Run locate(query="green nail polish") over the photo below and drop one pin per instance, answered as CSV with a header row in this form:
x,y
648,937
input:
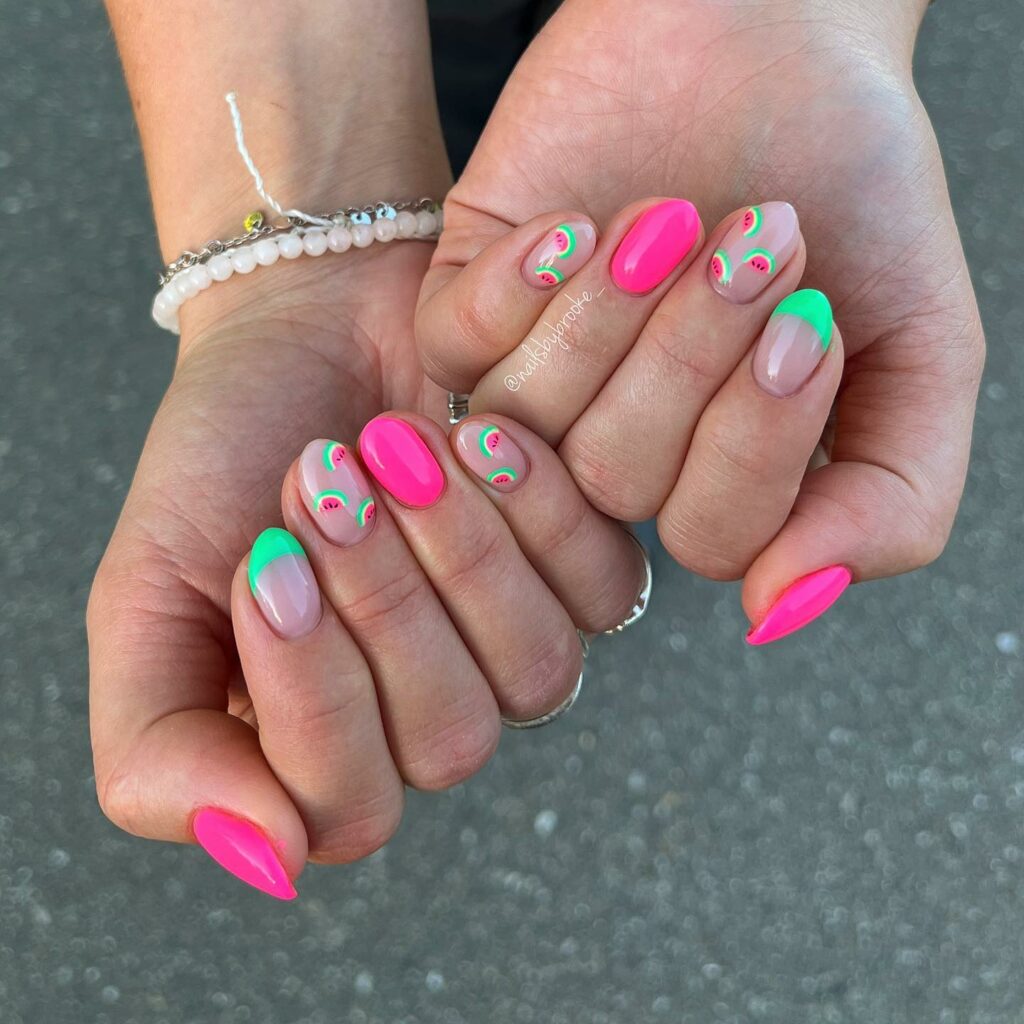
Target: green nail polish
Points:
x,y
812,306
271,544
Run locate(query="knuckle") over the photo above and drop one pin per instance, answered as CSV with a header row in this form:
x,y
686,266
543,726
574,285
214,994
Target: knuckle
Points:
x,y
364,831
457,746
694,549
606,481
730,460
389,607
483,553
674,356
120,798
545,675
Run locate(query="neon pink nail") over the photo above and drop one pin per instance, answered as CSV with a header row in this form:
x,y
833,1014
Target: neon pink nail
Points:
x,y
400,461
240,847
655,245
800,603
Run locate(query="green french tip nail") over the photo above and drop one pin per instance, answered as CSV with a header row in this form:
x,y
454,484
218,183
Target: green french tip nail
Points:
x,y
812,306
271,544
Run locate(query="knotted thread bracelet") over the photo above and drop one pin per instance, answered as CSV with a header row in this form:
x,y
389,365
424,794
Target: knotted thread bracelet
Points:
x,y
296,234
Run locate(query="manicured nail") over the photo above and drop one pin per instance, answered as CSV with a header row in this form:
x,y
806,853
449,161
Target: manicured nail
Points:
x,y
283,584
240,847
755,249
797,336
655,245
336,492
800,603
560,254
490,453
401,462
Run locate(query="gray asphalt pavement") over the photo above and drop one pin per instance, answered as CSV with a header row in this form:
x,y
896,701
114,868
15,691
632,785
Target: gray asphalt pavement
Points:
x,y
829,832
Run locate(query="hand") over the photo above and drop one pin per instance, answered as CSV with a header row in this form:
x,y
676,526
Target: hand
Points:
x,y
728,107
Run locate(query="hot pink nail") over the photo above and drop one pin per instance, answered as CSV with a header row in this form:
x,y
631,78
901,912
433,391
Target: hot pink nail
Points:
x,y
336,491
240,847
797,337
560,254
490,453
800,603
655,245
283,584
401,462
761,242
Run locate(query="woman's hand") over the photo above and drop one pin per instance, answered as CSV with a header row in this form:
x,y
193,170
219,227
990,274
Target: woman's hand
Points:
x,y
809,101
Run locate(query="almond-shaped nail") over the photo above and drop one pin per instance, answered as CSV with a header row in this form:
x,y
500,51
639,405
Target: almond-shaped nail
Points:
x,y
655,245
797,337
761,242
283,584
336,492
241,848
401,462
800,603
560,254
492,455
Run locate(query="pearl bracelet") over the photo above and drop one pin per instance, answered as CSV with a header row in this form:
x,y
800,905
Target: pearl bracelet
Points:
x,y
194,272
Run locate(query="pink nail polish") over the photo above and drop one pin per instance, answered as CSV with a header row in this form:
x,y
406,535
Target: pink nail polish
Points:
x,y
761,242
336,492
490,453
560,254
800,603
283,584
240,847
655,245
401,462
797,337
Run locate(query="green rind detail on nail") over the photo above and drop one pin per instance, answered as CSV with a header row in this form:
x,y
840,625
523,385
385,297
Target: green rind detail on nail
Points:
x,y
765,255
340,495
570,241
271,544
724,272
365,508
812,306
485,435
329,451
504,471
756,220
555,273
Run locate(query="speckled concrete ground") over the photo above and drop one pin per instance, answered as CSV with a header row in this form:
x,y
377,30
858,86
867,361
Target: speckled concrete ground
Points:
x,y
831,833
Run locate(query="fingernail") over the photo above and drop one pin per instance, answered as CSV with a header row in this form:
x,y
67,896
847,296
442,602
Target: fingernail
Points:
x,y
490,453
283,584
560,254
240,847
655,245
800,603
401,462
797,336
755,249
336,492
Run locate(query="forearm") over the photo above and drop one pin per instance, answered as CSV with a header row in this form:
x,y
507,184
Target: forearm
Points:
x,y
337,97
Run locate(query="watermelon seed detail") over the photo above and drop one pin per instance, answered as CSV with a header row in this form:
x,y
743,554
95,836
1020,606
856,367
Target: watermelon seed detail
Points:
x,y
334,453
488,440
366,511
760,260
330,501
752,221
549,274
565,241
505,475
721,266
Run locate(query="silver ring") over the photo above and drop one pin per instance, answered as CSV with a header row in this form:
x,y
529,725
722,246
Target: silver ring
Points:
x,y
458,407
536,723
636,613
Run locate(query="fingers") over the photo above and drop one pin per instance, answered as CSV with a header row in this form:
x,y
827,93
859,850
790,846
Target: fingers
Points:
x,y
886,502
171,762
752,445
587,560
472,316
628,447
319,723
439,715
518,632
586,330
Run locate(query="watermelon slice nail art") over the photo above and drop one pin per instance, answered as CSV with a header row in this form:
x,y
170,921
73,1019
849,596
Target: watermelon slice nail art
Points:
x,y
560,254
761,241
336,492
491,454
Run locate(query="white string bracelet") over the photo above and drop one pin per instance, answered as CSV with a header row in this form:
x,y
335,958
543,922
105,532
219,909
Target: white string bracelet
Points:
x,y
262,243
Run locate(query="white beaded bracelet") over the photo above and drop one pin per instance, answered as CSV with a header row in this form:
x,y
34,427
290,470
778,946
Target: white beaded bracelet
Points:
x,y
263,244
218,261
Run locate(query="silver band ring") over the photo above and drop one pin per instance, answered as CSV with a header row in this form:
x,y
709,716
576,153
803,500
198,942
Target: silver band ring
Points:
x,y
636,613
458,407
546,719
